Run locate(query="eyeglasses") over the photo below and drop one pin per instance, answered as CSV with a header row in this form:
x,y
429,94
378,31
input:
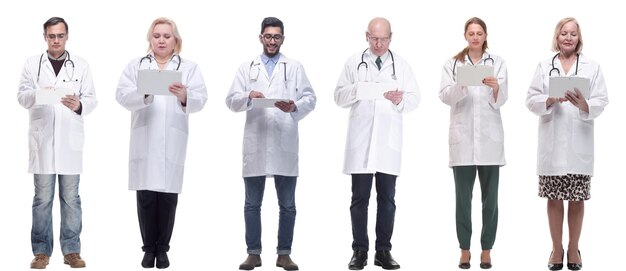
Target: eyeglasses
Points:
x,y
269,37
56,36
377,40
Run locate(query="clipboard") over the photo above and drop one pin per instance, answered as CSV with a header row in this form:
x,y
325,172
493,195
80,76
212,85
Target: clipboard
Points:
x,y
472,75
157,82
373,91
50,95
265,102
560,84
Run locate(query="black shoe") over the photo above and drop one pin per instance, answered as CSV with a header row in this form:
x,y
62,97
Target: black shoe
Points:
x,y
148,260
485,265
555,266
385,260
574,266
251,262
161,260
358,261
466,265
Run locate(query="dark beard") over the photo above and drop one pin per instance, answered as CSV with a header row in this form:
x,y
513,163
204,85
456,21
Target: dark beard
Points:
x,y
268,54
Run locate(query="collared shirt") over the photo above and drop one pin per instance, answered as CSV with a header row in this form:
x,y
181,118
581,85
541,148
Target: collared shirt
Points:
x,y
270,63
383,58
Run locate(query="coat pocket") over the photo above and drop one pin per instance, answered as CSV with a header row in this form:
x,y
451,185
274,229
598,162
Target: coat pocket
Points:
x,y
77,134
177,146
138,143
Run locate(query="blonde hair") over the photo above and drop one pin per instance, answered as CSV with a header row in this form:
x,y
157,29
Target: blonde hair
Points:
x,y
460,56
163,20
557,31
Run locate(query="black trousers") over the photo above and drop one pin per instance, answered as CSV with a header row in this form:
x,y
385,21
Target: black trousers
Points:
x,y
385,211
156,212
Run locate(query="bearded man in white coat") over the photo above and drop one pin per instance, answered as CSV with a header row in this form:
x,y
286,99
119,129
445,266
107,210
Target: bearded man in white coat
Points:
x,y
56,139
374,142
270,147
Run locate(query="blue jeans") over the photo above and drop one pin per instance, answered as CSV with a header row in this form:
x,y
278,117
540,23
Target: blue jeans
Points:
x,y
285,190
71,214
385,213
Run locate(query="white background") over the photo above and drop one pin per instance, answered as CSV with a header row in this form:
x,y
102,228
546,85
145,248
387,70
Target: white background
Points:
x,y
209,231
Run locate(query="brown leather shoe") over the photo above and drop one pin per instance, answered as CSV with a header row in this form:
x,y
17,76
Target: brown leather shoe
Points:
x,y
251,262
286,263
40,261
74,260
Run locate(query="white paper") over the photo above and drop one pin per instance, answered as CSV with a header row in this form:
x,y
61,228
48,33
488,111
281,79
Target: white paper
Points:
x,y
559,85
50,95
266,103
373,91
470,75
157,82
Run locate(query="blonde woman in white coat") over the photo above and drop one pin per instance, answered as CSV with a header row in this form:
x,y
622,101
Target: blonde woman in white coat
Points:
x,y
159,132
476,138
565,148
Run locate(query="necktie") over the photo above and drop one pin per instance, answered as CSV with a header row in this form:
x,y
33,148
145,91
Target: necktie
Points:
x,y
379,63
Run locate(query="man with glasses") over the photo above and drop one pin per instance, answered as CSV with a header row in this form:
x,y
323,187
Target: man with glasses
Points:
x,y
56,140
275,93
374,140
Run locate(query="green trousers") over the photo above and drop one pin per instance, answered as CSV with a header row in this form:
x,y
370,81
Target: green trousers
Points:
x,y
464,177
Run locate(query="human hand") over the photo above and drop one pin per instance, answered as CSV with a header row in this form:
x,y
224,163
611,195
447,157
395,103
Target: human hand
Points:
x,y
286,107
491,82
256,94
576,98
395,96
552,100
180,91
71,101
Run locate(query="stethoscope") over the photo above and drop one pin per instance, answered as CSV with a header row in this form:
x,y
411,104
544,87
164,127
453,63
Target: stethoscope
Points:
x,y
67,60
149,58
470,60
554,68
393,64
254,76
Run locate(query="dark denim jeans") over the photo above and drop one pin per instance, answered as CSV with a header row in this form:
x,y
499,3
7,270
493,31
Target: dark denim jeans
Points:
x,y
285,190
385,213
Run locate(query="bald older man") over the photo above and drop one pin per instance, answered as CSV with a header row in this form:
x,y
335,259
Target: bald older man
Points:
x,y
374,143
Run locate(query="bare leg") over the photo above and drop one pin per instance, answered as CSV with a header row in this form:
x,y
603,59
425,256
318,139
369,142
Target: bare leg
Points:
x,y
555,221
575,213
485,256
465,256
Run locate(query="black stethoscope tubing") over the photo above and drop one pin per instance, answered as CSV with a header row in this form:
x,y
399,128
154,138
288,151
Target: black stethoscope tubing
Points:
x,y
284,68
393,63
67,59
554,68
149,58
470,60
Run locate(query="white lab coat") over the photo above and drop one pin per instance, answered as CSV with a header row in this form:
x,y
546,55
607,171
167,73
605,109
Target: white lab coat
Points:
x,y
159,126
374,141
270,140
56,133
565,132
476,135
